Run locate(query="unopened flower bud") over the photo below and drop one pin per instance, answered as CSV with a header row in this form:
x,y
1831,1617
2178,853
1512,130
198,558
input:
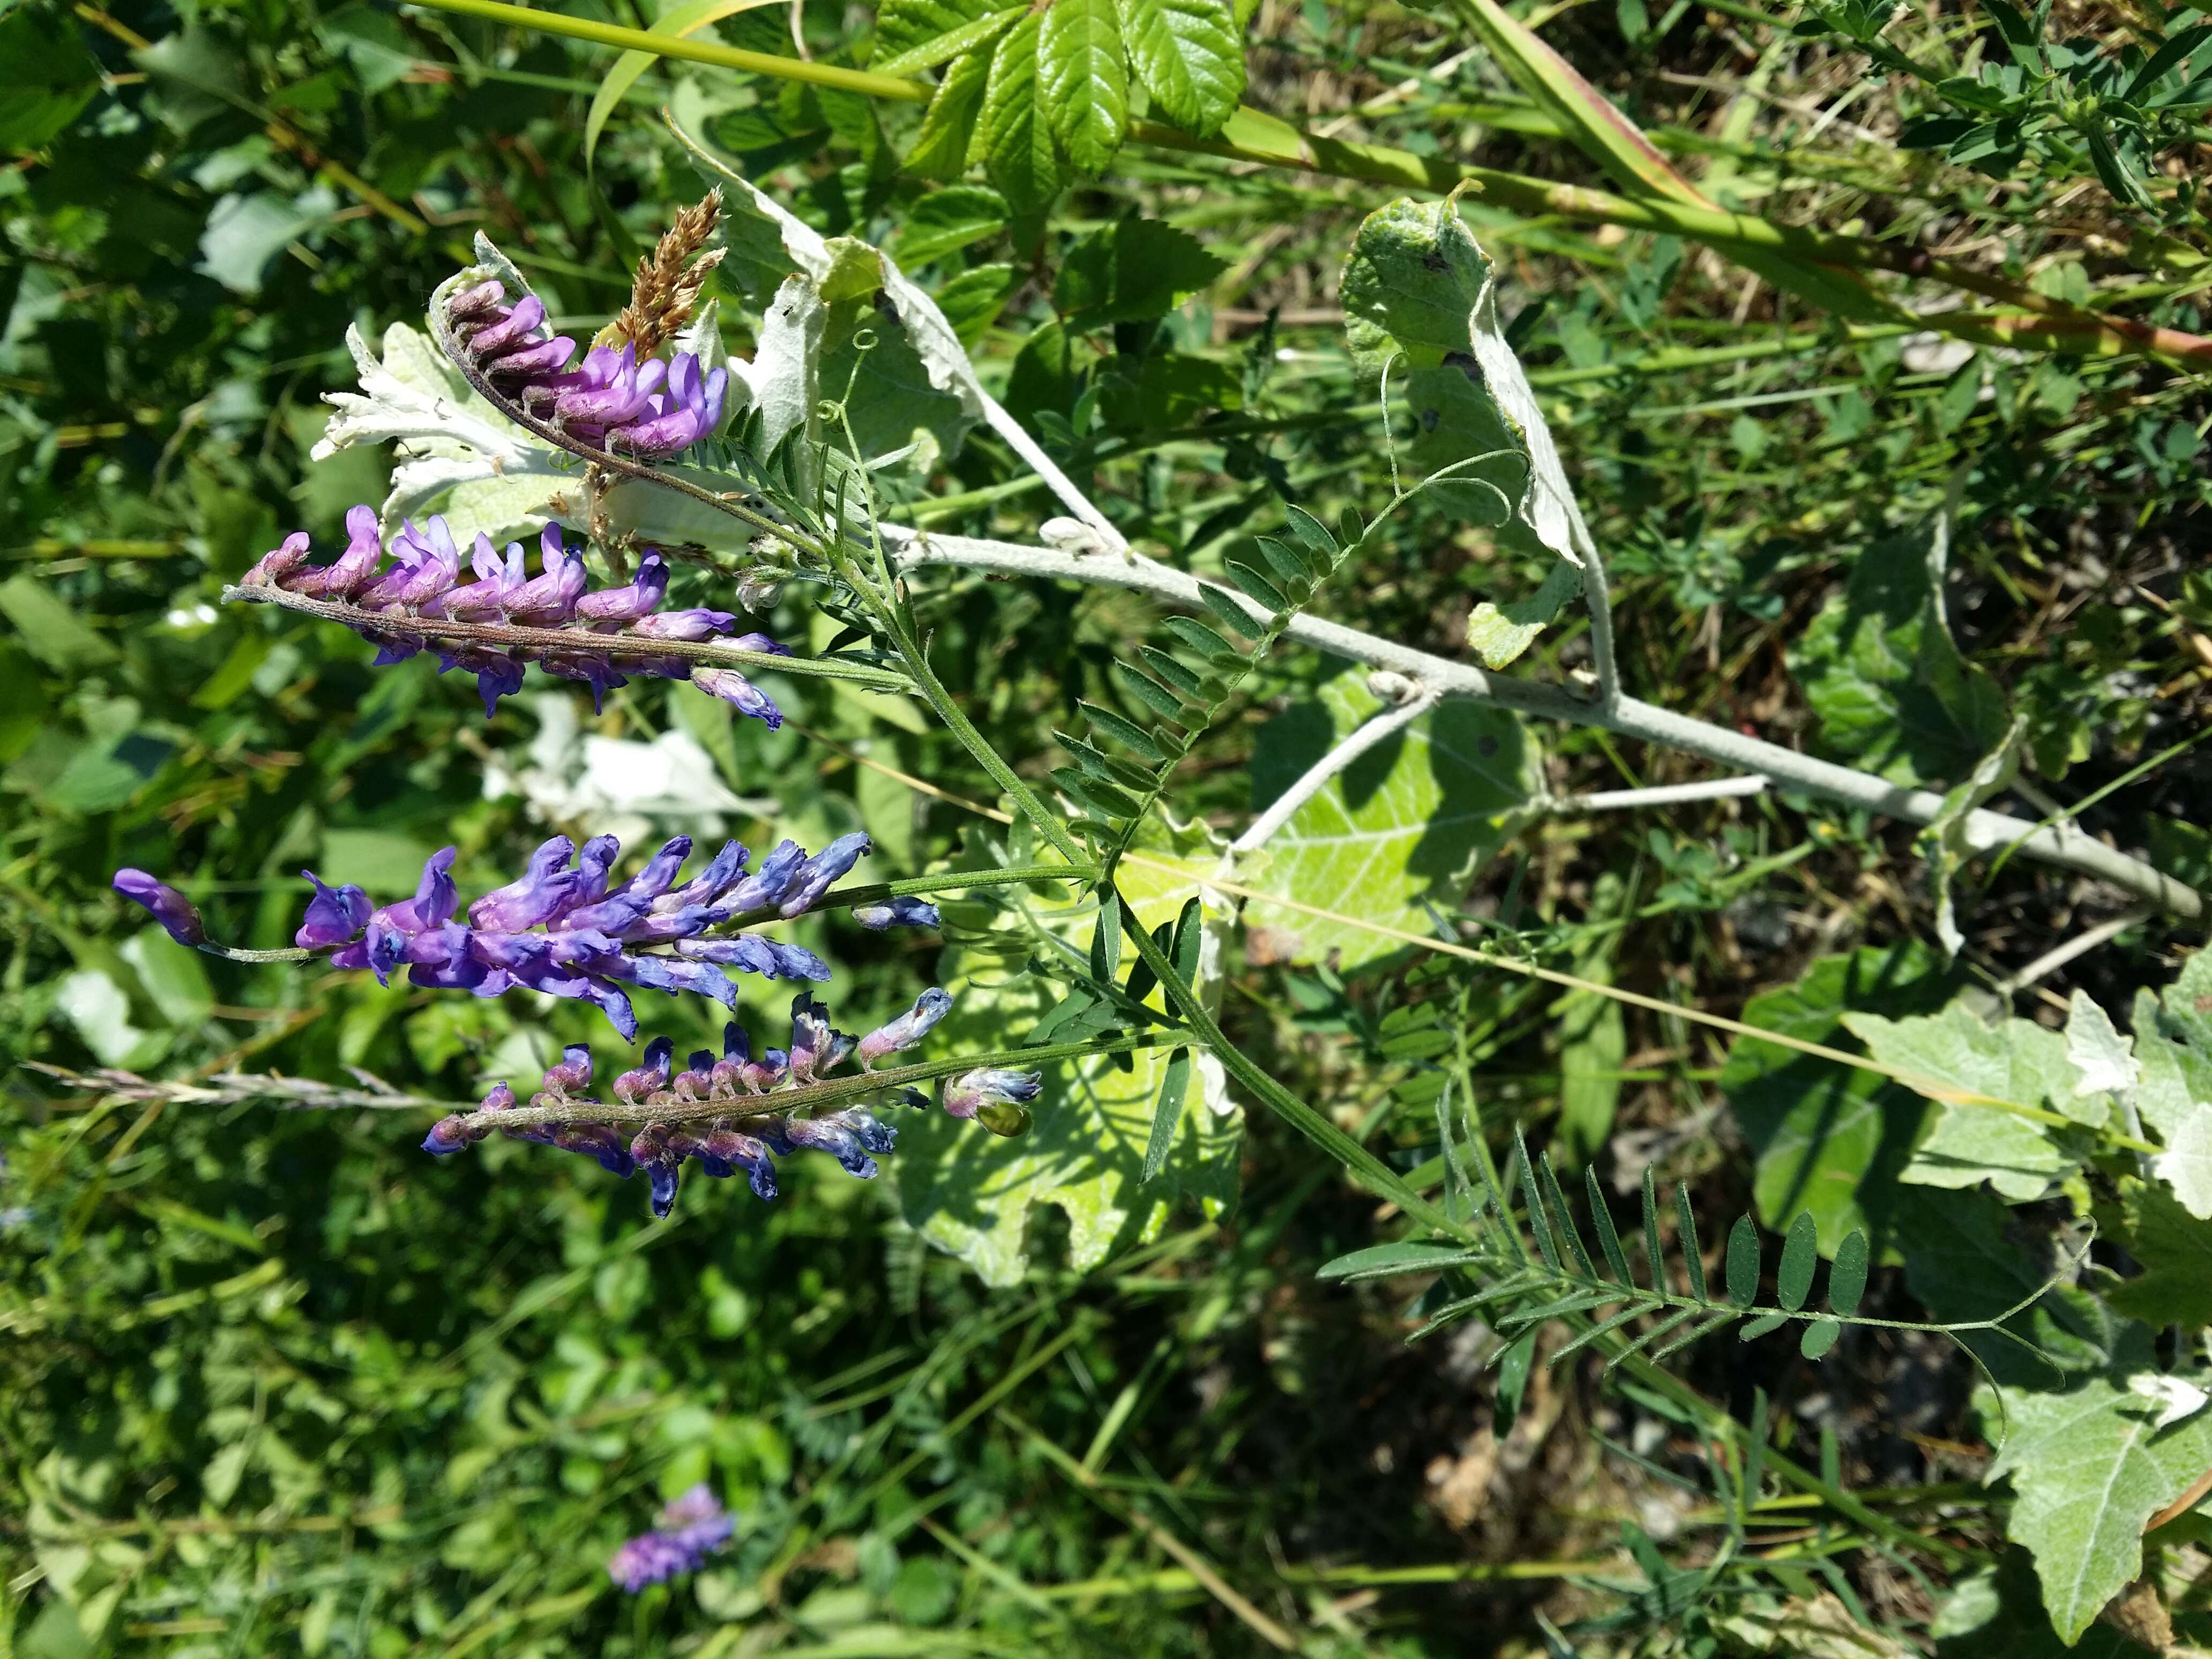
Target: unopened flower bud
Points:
x,y
167,905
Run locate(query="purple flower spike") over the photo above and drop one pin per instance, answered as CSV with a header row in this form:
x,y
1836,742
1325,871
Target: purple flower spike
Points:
x,y
909,1029
691,1529
740,693
334,915
902,911
169,907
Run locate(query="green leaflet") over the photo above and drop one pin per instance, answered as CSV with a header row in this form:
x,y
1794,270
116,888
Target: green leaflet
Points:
x,y
1831,1140
2175,1249
1085,1152
1967,1142
949,128
1132,271
1084,81
1189,54
1894,694
2088,1467
905,28
1014,140
946,221
1403,823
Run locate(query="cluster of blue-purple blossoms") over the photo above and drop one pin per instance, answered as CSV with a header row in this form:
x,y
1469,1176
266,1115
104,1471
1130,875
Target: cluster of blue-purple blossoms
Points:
x,y
691,1529
423,583
760,1117
564,929
652,409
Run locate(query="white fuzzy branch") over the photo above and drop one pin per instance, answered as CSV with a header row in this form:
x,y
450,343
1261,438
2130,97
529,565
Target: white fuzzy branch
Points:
x,y
1663,794
1387,723
1985,830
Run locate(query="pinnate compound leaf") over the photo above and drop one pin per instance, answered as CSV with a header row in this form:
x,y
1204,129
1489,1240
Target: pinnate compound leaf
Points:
x,y
1404,822
1085,80
1878,667
2088,1467
1190,56
1970,1141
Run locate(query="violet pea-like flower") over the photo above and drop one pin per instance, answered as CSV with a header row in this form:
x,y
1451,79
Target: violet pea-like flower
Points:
x,y
690,1529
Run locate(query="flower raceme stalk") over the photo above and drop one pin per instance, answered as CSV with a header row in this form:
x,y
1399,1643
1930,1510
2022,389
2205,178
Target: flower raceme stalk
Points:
x,y
422,582
566,928
768,1100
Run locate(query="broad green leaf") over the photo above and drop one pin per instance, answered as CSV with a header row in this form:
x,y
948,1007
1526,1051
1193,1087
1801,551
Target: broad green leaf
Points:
x,y
1970,1141
1421,318
1131,272
49,630
46,77
2088,1467
1172,389
1830,1141
1403,824
1189,54
1964,1261
679,23
2103,1060
2175,1250
245,233
1085,80
946,221
1879,668
1015,138
905,27
970,1194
